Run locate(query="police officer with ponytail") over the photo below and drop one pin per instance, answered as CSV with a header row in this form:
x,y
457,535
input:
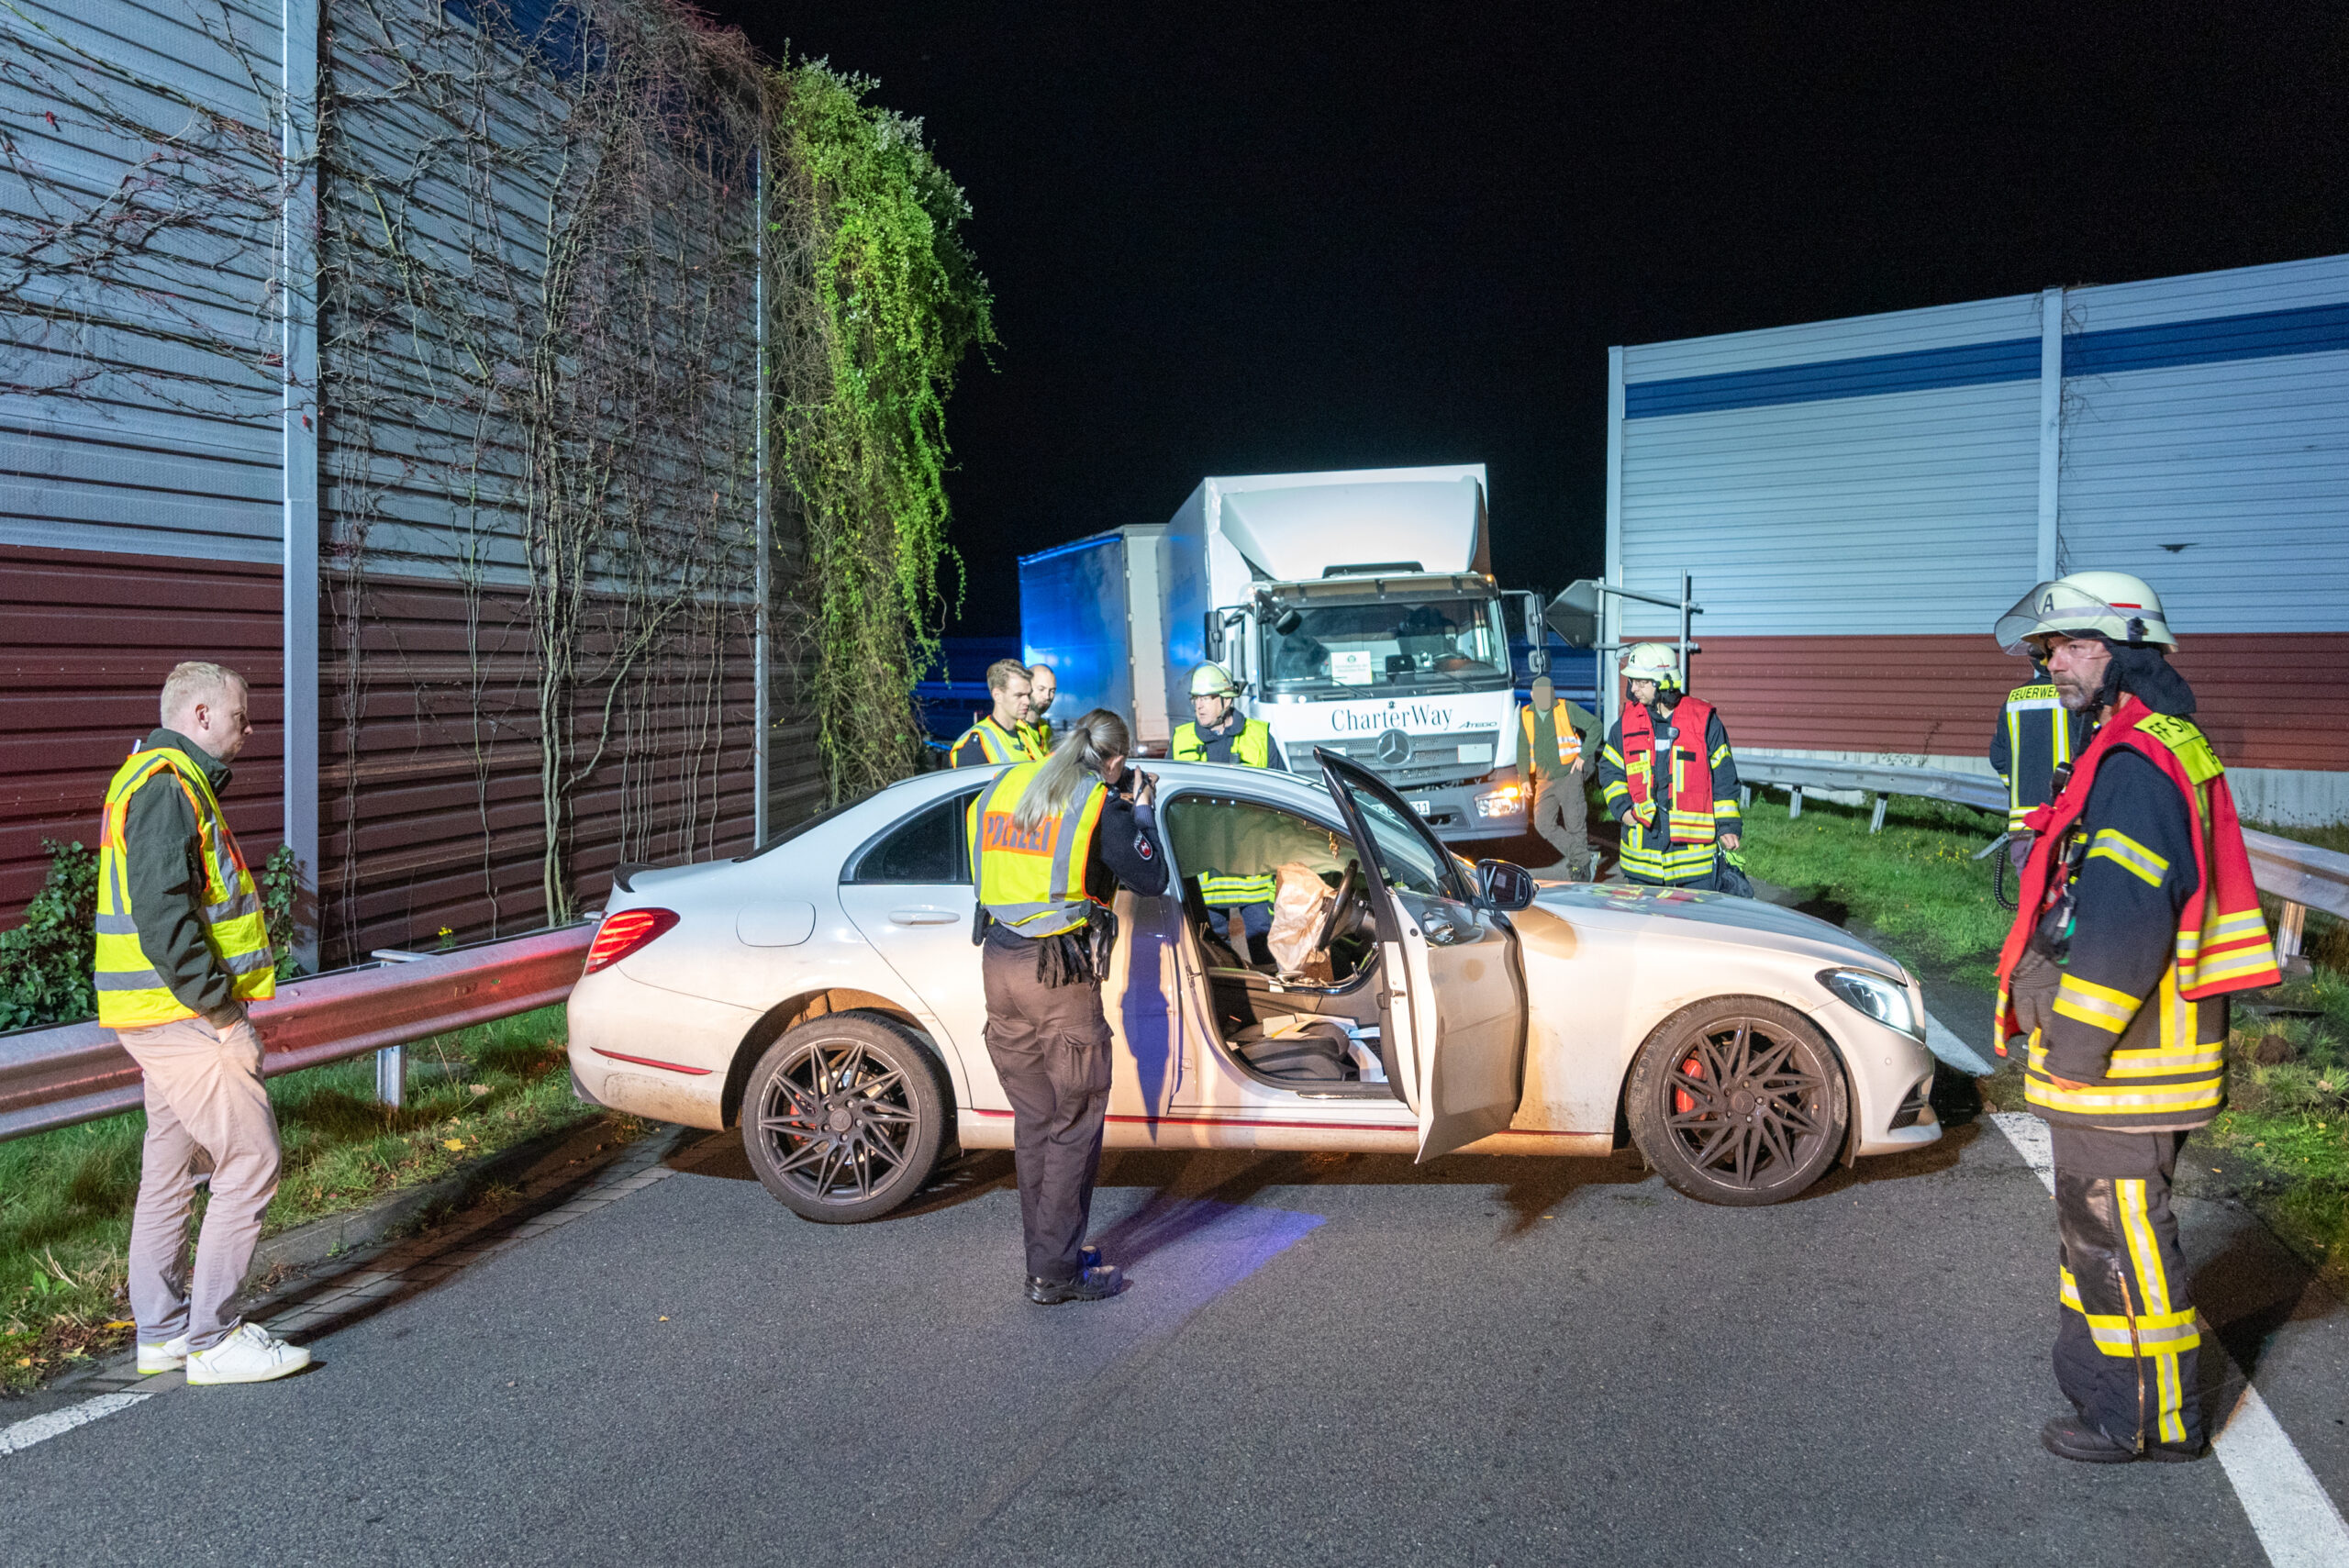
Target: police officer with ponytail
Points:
x,y
1051,843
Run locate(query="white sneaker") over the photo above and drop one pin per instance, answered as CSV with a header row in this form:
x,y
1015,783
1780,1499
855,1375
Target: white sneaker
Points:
x,y
251,1355
169,1356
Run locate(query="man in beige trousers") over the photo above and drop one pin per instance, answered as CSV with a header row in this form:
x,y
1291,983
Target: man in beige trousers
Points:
x,y
182,945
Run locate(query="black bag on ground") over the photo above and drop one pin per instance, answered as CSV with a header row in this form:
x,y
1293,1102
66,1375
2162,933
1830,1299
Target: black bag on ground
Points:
x,y
1314,1052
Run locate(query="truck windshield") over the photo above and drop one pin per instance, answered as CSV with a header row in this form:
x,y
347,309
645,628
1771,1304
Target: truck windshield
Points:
x,y
1324,647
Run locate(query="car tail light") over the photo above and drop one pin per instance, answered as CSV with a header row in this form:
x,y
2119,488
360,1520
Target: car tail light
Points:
x,y
623,933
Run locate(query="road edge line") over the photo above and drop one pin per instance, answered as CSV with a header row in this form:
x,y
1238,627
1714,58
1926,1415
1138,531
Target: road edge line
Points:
x,y
39,1429
2294,1518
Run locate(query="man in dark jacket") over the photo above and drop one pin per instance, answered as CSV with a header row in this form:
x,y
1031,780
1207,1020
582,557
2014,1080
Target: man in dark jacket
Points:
x,y
183,944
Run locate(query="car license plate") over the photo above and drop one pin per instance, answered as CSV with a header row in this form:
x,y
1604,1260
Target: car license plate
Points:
x,y
1423,807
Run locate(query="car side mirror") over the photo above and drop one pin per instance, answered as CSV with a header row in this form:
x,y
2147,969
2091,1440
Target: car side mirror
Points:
x,y
1507,885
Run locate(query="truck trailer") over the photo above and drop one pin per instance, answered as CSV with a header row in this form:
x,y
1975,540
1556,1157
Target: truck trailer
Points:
x,y
1357,610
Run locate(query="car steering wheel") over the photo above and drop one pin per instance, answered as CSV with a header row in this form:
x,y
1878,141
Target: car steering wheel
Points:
x,y
1348,885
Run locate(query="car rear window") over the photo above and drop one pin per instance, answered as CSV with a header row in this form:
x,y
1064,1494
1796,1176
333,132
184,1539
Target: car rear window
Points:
x,y
927,847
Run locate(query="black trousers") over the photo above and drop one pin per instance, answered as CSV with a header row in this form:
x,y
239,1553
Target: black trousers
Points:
x,y
1050,1049
2126,1346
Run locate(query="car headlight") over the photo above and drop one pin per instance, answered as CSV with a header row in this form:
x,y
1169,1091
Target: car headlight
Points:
x,y
1505,801
1883,999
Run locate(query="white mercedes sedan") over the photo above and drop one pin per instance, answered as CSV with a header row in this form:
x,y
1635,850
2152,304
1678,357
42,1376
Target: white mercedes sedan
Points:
x,y
824,995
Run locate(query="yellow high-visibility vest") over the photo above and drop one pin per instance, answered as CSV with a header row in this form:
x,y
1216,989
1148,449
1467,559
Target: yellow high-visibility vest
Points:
x,y
1032,879
1252,747
1001,745
131,996
1569,743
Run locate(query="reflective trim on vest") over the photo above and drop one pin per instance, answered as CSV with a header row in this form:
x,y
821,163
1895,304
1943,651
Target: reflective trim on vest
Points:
x,y
1250,748
1032,879
131,993
1569,743
1689,819
2036,745
1218,892
999,744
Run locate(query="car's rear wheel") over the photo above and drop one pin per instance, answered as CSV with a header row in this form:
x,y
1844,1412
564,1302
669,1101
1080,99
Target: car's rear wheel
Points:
x,y
845,1117
1738,1100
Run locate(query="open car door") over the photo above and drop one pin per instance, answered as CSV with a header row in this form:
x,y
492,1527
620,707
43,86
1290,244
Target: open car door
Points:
x,y
1454,991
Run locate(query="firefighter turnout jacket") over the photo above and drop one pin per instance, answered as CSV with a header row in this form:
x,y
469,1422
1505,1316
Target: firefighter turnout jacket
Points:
x,y
1248,743
2035,736
987,741
149,967
1668,777
2138,904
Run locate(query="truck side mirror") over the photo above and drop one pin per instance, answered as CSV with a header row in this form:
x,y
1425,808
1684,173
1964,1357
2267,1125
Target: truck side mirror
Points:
x,y
1211,640
1536,635
1288,622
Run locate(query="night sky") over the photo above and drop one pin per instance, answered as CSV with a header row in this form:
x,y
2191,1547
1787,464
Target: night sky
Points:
x,y
1272,238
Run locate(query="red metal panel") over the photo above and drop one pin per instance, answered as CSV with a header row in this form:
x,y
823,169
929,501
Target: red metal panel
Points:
x,y
86,642
2267,700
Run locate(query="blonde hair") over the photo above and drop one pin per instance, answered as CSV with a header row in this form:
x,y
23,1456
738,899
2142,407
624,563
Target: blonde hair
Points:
x,y
1000,672
1077,762
194,681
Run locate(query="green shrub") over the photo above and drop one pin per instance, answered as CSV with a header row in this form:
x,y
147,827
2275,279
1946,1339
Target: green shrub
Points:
x,y
44,963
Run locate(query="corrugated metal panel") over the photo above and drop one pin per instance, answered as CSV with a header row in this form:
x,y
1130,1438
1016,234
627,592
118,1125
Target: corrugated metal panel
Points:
x,y
1914,512
1853,336
430,767
140,407
2242,461
1913,696
86,642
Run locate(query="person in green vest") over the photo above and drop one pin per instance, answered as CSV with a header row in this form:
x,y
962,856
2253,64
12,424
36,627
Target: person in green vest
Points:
x,y
1218,734
1556,739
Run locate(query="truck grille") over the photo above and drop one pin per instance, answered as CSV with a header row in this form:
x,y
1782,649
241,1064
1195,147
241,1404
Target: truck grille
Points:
x,y
1408,759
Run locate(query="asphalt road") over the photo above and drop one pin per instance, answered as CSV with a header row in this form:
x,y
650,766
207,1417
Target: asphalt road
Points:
x,y
1329,1360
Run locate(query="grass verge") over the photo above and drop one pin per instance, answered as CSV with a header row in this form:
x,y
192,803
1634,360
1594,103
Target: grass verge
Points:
x,y
2285,1128
65,1196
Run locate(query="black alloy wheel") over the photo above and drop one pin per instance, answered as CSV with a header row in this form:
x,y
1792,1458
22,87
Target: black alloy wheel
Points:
x,y
845,1117
1740,1101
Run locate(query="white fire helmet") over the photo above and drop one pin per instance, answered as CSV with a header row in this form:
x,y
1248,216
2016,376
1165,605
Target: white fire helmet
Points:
x,y
1213,681
1657,661
2115,605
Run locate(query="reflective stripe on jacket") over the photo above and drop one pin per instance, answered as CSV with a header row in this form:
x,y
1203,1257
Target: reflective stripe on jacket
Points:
x,y
2161,1041
2034,738
1690,814
998,744
1032,879
132,994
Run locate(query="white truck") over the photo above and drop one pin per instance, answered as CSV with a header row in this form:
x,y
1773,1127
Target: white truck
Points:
x,y
1356,609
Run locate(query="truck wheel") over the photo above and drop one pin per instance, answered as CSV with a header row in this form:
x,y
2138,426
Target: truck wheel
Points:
x,y
844,1118
1739,1101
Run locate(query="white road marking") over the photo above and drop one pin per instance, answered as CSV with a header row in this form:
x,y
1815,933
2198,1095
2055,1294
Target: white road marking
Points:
x,y
40,1429
2298,1526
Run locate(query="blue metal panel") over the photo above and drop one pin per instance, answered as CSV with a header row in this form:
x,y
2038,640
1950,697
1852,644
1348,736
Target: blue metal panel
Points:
x,y
1073,617
2256,335
1970,364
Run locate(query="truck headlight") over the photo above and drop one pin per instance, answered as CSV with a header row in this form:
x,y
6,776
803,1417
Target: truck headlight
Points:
x,y
1507,801
1884,1000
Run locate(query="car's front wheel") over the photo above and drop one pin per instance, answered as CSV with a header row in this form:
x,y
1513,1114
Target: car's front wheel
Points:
x,y
845,1117
1738,1100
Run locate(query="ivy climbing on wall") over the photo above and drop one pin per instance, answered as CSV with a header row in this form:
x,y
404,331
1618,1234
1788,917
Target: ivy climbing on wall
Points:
x,y
879,303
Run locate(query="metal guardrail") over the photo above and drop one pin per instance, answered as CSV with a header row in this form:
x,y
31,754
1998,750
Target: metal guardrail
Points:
x,y
2302,876
55,1077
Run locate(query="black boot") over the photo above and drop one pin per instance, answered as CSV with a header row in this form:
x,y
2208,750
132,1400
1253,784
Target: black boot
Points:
x,y
2068,1437
1097,1282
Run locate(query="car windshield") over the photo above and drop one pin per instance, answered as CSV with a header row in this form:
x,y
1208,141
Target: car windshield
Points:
x,y
1433,644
